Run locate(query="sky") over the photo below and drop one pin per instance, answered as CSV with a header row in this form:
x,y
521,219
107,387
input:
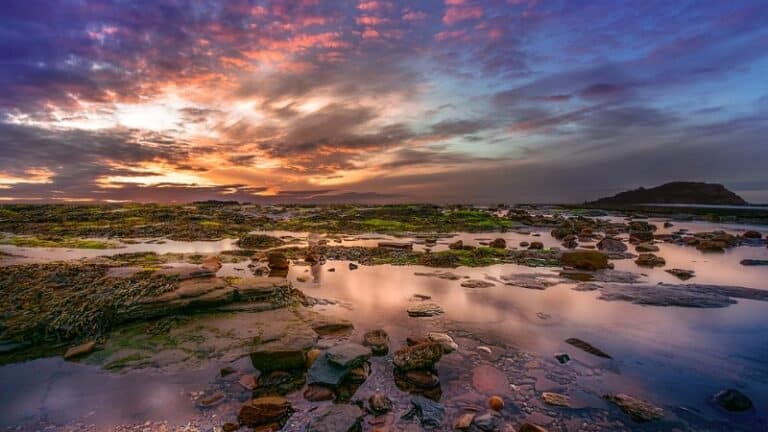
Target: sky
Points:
x,y
379,101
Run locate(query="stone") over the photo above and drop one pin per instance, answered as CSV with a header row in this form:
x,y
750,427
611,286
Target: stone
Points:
x,y
458,244
498,243
464,422
585,260
650,260
353,266
752,235
288,353
80,350
685,295
754,262
378,341
444,340
396,245
248,381
331,326
211,264
336,418
421,356
277,261
424,310
317,393
562,358
647,247
610,244
488,422
440,275
312,355
379,404
420,378
230,427
495,403
226,371
489,380
212,399
523,244
348,355
638,410
536,245
476,283
264,410
530,427
326,373
429,413
584,346
556,399
733,400
680,273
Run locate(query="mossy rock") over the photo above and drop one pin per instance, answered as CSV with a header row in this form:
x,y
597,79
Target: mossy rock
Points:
x,y
585,260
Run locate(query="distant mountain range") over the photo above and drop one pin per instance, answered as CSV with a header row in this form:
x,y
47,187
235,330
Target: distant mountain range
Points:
x,y
676,193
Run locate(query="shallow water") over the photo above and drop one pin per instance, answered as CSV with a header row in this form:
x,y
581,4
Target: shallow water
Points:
x,y
675,357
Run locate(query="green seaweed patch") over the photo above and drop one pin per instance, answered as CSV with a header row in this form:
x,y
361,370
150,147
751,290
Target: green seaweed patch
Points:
x,y
57,242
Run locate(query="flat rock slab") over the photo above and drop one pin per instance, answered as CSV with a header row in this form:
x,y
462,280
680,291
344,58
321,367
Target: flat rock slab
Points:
x,y
476,283
396,245
284,354
349,355
80,350
424,310
638,410
587,347
336,418
324,372
686,295
440,275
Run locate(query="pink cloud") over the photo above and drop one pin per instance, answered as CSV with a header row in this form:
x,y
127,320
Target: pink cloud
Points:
x,y
414,16
370,20
370,5
370,33
451,35
458,14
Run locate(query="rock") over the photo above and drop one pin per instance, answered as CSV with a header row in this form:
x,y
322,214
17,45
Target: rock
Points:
x,y
569,242
610,244
277,261
687,295
464,422
476,283
530,427
421,356
211,264
680,273
440,275
424,310
489,380
536,245
378,341
647,247
336,418
458,244
638,410
498,243
650,260
495,403
348,355
585,260
379,404
752,235
415,380
248,381
325,372
264,410
230,427
584,346
285,354
318,393
80,350
332,326
444,340
212,400
484,349
733,400
563,358
754,262
556,399
524,244
396,245
353,266
668,224
312,355
226,371
429,413
488,422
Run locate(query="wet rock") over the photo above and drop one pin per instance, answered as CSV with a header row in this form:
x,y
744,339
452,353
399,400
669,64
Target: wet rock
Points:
x,y
80,350
458,244
379,404
476,283
489,380
327,373
285,354
248,381
230,427
647,247
317,393
464,422
421,356
332,326
264,410
524,244
668,224
587,347
531,280
336,418
650,260
440,275
211,264
424,310
353,266
752,235
754,262
488,422
530,427
680,273
444,340
419,379
226,371
277,261
733,400
495,403
312,355
688,295
185,272
562,358
536,245
638,410
429,413
396,245
280,382
348,355
585,260
498,243
378,341
212,399
556,399
610,244
259,241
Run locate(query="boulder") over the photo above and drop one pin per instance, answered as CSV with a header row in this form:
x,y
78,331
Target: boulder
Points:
x,y
264,410
288,353
318,393
348,355
585,260
277,261
733,400
498,243
326,373
444,340
336,418
420,356
650,260
211,264
464,422
754,262
680,273
458,244
488,422
536,245
752,235
378,341
647,247
638,410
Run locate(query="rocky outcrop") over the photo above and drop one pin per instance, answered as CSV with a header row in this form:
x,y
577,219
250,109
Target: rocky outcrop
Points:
x,y
675,193
686,295
733,400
